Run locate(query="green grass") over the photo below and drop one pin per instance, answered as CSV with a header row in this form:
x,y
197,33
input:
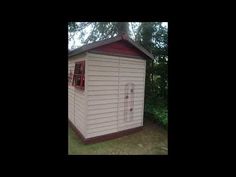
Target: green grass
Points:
x,y
151,140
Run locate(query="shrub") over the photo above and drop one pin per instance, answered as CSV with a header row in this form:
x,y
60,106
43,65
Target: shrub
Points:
x,y
158,111
161,115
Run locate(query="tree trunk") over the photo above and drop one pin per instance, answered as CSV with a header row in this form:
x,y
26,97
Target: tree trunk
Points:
x,y
123,28
152,70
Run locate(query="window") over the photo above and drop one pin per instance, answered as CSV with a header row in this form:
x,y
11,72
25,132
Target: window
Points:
x,y
79,75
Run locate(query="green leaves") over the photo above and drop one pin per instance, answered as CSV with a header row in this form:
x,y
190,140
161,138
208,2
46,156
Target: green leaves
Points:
x,y
158,109
154,37
105,30
161,115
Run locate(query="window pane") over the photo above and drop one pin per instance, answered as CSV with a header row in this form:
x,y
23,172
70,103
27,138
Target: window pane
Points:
x,y
78,80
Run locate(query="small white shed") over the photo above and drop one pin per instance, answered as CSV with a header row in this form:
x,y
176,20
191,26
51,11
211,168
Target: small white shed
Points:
x,y
106,88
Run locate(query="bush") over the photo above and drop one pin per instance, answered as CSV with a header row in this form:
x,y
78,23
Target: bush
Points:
x,y
161,115
158,111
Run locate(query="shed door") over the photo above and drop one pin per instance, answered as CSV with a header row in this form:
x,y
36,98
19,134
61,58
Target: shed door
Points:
x,y
131,93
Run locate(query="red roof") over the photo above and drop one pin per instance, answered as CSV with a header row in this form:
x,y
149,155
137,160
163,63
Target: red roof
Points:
x,y
99,44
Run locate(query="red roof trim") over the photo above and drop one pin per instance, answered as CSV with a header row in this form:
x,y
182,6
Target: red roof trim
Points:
x,y
114,54
108,41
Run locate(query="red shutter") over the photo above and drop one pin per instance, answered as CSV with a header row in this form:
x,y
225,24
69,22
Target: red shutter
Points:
x,y
79,78
83,75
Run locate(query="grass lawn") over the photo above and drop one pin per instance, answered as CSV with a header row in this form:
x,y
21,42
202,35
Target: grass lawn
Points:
x,y
151,140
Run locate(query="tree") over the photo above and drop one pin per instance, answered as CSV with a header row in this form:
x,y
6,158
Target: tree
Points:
x,y
144,38
153,36
161,53
105,30
122,27
100,30
74,28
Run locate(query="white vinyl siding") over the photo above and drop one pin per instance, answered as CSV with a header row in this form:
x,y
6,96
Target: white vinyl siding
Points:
x,y
77,100
106,79
102,93
99,109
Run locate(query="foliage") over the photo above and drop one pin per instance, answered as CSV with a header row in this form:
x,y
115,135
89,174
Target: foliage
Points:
x,y
74,28
100,30
153,36
158,110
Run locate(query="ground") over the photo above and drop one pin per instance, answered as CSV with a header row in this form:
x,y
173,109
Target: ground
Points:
x,y
152,140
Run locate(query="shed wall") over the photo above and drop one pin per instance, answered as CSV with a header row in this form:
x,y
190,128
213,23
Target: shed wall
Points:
x,y
106,79
77,99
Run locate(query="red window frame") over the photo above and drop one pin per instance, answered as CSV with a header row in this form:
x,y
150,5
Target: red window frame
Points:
x,y
79,75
